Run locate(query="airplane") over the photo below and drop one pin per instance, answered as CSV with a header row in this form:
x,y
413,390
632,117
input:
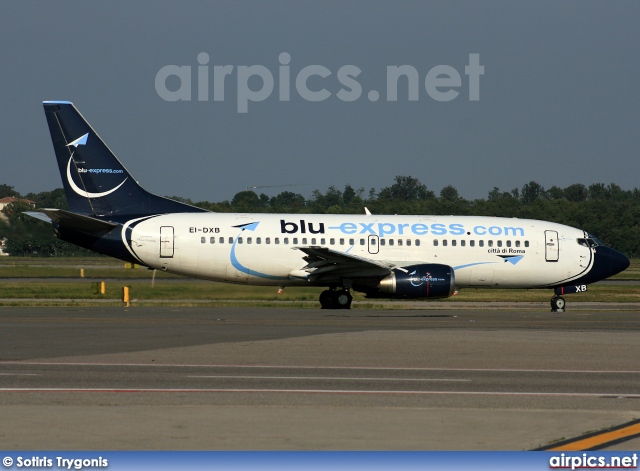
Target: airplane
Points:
x,y
383,256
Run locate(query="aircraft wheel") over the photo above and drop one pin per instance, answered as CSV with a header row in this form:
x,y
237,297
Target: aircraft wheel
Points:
x,y
326,299
343,299
557,304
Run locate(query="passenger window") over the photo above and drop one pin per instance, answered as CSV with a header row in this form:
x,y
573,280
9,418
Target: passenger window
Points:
x,y
435,242
286,241
249,240
517,243
490,243
472,243
508,243
526,243
463,243
481,243
276,240
352,242
212,240
499,243
373,242
332,242
408,242
382,242
258,240
444,243
417,242
203,240
267,240
231,240
221,240
304,241
239,240
323,242
391,242
400,242
313,241
454,243
341,241
295,240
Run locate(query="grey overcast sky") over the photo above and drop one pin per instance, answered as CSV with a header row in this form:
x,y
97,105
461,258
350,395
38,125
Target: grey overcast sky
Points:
x,y
559,100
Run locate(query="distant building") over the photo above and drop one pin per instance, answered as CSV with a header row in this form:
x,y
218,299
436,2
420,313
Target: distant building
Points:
x,y
13,199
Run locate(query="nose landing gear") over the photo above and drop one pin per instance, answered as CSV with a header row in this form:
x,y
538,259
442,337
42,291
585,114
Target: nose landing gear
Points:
x,y
557,304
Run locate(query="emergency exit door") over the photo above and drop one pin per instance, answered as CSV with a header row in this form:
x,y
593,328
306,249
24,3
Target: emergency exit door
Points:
x,y
166,242
551,246
374,244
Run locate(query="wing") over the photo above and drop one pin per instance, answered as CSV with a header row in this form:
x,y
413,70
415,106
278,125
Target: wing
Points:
x,y
70,220
326,265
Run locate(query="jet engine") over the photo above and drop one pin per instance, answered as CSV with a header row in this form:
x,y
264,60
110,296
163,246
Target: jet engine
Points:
x,y
431,280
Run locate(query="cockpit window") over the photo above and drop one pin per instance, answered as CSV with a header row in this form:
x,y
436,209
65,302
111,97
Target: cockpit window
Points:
x,y
594,242
590,242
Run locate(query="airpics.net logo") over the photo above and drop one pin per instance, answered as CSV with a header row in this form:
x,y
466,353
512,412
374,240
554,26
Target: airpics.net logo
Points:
x,y
257,83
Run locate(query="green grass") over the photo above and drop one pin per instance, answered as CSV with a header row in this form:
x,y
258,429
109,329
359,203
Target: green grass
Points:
x,y
212,291
189,290
78,291
18,267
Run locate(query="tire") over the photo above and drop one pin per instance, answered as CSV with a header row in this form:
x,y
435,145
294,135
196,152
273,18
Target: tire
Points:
x,y
343,299
326,299
557,304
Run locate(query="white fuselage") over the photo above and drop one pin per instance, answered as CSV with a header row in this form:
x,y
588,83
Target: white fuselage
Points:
x,y
262,249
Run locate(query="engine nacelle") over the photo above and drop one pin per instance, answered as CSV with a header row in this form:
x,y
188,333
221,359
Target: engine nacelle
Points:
x,y
431,280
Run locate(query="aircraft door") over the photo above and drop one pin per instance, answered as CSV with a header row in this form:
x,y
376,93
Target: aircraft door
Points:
x,y
166,242
551,246
374,244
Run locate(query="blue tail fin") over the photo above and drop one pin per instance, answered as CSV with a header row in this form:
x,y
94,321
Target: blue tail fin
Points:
x,y
95,182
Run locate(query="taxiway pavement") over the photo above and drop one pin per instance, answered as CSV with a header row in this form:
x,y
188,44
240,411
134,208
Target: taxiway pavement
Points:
x,y
149,378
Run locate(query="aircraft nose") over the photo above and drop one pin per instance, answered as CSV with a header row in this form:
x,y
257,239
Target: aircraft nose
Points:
x,y
619,262
608,262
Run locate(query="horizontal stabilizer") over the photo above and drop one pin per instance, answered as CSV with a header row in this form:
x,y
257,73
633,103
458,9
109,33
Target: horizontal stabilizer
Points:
x,y
38,215
67,219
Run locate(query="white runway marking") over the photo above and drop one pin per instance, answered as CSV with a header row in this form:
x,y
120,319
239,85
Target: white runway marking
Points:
x,y
320,391
331,378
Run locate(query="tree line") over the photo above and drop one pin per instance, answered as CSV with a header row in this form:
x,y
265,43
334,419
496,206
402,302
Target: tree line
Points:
x,y
607,211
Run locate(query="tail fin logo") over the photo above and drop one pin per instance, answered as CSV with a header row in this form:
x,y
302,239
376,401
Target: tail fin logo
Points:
x,y
81,141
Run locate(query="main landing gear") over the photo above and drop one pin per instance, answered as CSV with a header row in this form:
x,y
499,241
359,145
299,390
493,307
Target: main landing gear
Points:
x,y
336,299
557,304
